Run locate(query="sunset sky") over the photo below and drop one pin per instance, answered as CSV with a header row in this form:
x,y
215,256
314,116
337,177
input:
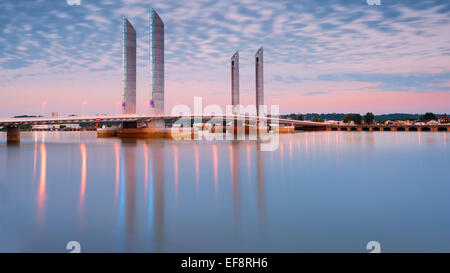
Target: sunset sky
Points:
x,y
319,56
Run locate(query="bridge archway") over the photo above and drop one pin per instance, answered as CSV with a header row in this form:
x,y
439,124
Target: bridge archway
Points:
x,y
387,129
442,129
376,128
366,129
401,129
353,129
413,129
426,129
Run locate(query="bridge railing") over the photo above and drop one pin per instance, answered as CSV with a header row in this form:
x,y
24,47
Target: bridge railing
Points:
x,y
140,118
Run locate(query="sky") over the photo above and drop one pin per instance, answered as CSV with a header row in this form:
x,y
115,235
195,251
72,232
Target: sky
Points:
x,y
320,56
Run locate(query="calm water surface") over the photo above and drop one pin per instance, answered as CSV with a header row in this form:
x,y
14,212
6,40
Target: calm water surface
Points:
x,y
319,192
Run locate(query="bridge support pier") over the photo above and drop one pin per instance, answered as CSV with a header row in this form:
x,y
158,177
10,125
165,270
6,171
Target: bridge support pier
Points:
x,y
12,134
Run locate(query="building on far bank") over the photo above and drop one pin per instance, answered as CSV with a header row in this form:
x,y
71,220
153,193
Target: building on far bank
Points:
x,y
444,120
70,126
43,127
128,67
54,114
333,122
50,127
404,122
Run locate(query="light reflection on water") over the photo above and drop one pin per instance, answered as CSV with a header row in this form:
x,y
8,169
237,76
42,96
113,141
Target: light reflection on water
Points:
x,y
83,175
41,197
320,191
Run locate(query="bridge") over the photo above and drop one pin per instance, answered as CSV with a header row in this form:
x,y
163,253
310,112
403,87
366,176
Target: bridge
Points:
x,y
13,124
403,128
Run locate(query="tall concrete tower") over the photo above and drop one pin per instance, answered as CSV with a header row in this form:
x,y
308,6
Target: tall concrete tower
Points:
x,y
259,72
128,67
235,80
156,63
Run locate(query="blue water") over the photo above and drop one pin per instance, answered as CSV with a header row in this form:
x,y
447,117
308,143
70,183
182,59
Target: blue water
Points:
x,y
318,192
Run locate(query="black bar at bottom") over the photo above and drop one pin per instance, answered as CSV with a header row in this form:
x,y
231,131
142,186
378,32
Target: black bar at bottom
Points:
x,y
229,262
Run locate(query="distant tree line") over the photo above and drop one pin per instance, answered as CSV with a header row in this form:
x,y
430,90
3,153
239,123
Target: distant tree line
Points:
x,y
27,116
368,118
428,116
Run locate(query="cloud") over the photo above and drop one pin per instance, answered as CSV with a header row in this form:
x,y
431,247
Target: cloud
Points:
x,y
314,93
397,47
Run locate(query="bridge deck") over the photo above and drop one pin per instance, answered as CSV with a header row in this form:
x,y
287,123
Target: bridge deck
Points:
x,y
142,118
